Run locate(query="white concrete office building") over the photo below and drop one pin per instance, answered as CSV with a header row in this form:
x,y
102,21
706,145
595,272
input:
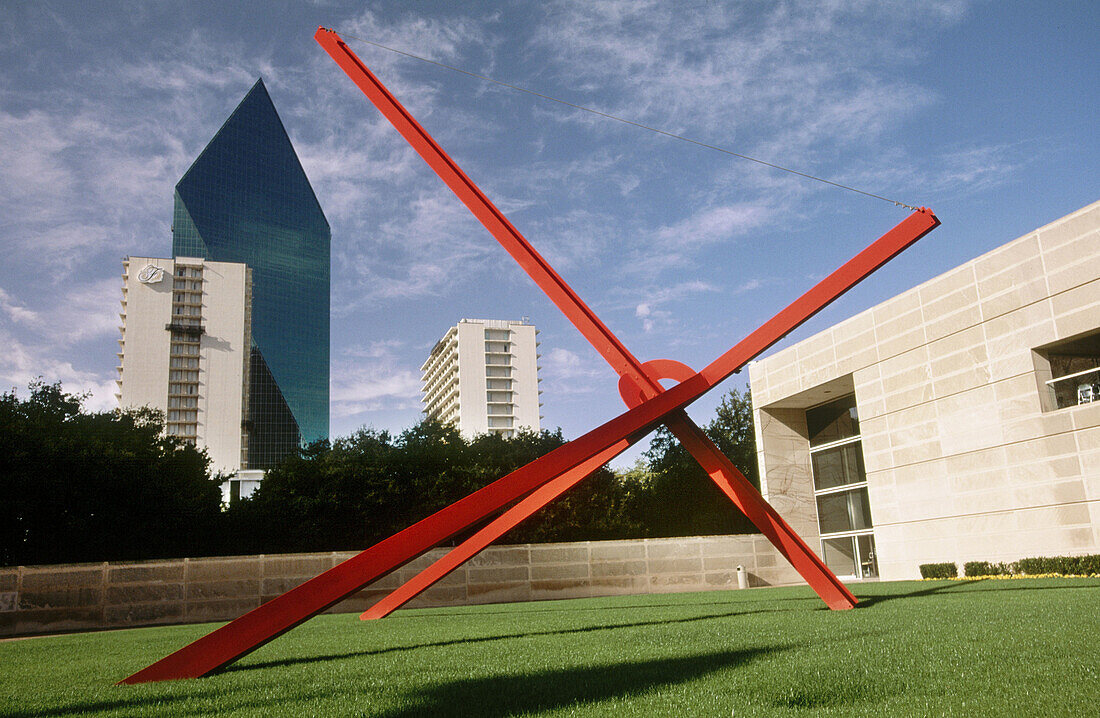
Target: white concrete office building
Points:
x,y
958,421
185,348
482,376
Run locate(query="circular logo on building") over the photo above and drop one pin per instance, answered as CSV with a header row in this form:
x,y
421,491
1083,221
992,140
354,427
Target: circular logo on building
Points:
x,y
150,274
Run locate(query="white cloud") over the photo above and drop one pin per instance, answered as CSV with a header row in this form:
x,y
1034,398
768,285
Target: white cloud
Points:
x,y
565,372
714,224
20,365
359,389
384,349
974,169
790,83
76,313
372,377
16,311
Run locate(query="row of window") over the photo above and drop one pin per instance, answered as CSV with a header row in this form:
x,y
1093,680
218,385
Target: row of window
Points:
x,y
183,363
187,297
183,389
840,489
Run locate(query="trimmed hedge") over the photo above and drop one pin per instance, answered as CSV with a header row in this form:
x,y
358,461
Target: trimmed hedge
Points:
x,y
939,570
1065,565
985,568
1070,565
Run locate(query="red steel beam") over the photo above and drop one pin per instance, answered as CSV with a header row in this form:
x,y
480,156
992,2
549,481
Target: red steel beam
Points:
x,y
732,483
717,465
728,478
616,354
270,620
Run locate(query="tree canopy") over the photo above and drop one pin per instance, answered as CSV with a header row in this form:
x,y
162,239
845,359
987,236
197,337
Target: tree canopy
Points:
x,y
368,486
676,497
101,486
79,486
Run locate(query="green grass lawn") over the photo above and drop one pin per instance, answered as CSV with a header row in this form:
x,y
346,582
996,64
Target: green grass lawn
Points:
x,y
1028,647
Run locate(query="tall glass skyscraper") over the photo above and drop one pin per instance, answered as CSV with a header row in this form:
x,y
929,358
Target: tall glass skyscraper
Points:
x,y
247,199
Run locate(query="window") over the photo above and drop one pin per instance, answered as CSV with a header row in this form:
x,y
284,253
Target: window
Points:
x,y
833,421
840,489
844,511
1070,370
838,466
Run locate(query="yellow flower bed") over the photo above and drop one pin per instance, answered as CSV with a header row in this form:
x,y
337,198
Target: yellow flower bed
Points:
x,y
1025,575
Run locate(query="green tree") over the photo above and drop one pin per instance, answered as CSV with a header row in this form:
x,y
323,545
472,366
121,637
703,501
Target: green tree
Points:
x,y
677,497
102,486
589,511
367,487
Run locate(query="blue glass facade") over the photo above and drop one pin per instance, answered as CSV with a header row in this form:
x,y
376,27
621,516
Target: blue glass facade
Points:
x,y
247,199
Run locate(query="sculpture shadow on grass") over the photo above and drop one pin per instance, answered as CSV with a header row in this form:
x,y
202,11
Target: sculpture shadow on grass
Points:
x,y
511,695
969,585
259,665
561,606
148,704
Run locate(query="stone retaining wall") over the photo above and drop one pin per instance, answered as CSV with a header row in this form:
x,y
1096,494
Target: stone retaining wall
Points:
x,y
47,599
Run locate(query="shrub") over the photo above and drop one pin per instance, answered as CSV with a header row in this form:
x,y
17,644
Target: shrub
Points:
x,y
985,568
939,570
1069,565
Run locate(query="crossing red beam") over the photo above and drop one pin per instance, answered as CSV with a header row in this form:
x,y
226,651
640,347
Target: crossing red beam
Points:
x,y
643,379
567,463
270,620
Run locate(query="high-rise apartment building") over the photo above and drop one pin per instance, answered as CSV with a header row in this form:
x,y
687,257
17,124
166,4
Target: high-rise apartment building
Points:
x,y
246,199
185,350
482,376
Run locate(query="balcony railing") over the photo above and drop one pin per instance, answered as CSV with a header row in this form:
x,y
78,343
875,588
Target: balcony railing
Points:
x,y
1081,387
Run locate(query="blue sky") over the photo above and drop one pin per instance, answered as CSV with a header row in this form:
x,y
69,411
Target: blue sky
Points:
x,y
984,111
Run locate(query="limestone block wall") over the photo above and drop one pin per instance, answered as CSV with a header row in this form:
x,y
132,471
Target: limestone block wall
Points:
x,y
45,599
965,457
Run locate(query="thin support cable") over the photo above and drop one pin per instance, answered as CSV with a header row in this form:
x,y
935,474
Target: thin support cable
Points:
x,y
625,121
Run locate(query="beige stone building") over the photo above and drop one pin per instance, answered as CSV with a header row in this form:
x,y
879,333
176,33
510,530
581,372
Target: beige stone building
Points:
x,y
958,421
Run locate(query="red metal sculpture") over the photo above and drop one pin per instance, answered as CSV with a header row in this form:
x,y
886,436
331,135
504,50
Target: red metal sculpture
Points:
x,y
546,478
